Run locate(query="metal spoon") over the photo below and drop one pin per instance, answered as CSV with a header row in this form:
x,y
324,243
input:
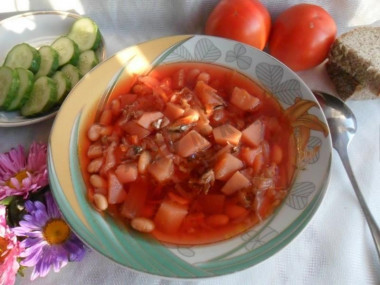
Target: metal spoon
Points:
x,y
342,124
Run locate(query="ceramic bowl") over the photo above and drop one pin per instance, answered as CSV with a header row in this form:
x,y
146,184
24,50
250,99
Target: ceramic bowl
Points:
x,y
140,252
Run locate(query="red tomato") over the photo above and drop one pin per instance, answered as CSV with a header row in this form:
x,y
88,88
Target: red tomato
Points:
x,y
247,21
301,36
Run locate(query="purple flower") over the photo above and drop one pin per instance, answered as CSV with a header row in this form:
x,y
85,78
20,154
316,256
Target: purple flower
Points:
x,y
21,174
49,241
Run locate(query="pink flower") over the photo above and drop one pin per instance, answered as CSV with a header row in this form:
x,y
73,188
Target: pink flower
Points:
x,y
21,174
9,251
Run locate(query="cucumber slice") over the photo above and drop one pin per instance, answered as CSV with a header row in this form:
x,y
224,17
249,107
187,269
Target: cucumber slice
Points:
x,y
72,73
63,85
9,84
25,56
85,33
87,60
26,85
42,98
49,61
68,51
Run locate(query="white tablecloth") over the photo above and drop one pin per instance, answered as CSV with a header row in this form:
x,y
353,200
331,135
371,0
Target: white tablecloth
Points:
x,y
336,247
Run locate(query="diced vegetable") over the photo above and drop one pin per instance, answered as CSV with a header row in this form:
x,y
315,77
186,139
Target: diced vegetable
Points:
x,y
135,199
173,111
116,193
126,172
226,134
161,169
148,118
191,143
254,133
132,128
170,216
236,182
243,100
144,161
208,95
248,154
226,165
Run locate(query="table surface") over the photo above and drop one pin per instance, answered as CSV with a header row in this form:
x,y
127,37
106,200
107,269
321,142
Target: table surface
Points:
x,y
336,247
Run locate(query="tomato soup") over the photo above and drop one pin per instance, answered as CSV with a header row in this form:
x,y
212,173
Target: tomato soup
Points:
x,y
191,154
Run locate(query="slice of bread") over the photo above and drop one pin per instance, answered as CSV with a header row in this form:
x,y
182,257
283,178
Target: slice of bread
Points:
x,y
346,85
354,62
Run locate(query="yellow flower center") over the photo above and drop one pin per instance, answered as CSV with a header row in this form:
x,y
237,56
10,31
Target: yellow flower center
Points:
x,y
3,249
56,231
19,176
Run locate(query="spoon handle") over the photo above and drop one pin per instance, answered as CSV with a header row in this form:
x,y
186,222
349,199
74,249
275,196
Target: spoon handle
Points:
x,y
370,220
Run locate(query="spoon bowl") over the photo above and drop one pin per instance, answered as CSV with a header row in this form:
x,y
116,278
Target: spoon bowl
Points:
x,y
342,124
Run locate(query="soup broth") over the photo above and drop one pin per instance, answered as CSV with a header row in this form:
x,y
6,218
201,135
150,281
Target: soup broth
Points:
x,y
192,153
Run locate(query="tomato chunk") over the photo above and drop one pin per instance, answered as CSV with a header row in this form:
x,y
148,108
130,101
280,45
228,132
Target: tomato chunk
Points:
x,y
226,134
243,100
170,216
226,166
236,182
254,133
191,143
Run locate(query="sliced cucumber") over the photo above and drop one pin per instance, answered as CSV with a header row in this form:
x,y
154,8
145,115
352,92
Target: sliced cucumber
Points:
x,y
85,33
68,51
72,73
9,84
87,60
25,56
63,85
42,98
49,61
26,85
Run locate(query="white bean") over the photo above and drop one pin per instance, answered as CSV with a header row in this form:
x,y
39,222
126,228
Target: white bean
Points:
x,y
95,150
143,225
95,165
100,202
94,132
97,181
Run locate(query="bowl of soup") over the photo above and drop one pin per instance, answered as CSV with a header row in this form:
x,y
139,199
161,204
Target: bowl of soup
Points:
x,y
189,157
